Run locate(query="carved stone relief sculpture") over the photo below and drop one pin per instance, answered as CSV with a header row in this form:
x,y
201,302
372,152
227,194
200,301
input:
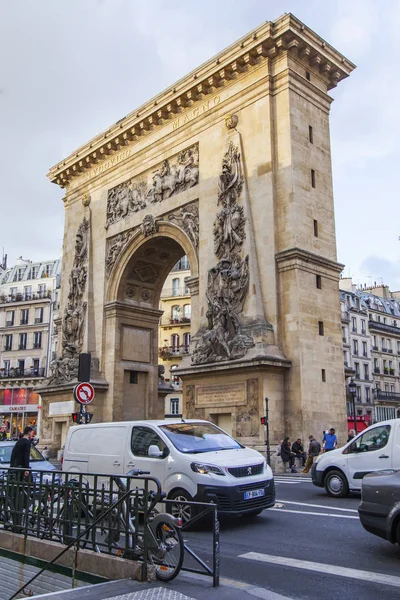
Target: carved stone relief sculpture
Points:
x,y
149,225
168,179
228,281
188,219
115,247
65,367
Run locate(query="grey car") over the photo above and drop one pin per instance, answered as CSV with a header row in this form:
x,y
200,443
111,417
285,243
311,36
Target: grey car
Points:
x,y
37,460
379,510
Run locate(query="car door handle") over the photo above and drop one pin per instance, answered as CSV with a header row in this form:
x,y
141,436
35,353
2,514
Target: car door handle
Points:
x,y
383,456
116,463
131,464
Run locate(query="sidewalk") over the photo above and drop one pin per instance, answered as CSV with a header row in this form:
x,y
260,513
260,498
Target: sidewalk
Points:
x,y
186,586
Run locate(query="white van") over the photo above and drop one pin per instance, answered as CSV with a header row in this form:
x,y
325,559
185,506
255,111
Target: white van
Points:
x,y
193,459
341,471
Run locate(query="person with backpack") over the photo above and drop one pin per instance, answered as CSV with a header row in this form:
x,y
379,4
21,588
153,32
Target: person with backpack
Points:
x,y
314,448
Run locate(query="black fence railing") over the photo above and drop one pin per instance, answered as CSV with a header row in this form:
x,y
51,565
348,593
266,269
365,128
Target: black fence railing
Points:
x,y
112,514
17,373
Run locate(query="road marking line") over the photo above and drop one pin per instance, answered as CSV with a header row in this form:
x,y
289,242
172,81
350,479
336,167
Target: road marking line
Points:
x,y
379,578
309,512
318,506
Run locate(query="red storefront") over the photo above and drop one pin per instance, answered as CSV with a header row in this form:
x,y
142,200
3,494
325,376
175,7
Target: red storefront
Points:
x,y
361,423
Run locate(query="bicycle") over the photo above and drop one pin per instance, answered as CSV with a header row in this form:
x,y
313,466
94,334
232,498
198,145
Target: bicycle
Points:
x,y
161,537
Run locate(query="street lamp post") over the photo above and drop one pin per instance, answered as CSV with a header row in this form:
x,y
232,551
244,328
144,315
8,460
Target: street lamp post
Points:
x,y
353,394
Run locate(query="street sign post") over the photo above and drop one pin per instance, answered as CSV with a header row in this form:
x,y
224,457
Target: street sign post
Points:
x,y
84,393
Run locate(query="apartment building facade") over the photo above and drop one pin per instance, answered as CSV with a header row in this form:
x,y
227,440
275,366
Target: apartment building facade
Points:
x,y
174,331
29,302
371,349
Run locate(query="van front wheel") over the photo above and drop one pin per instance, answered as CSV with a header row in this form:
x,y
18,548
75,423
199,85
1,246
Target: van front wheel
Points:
x,y
179,509
336,484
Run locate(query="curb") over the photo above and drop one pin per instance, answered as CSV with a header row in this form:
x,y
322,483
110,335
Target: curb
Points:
x,y
248,588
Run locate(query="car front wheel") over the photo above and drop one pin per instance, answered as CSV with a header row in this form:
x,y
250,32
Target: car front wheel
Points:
x,y
336,484
186,512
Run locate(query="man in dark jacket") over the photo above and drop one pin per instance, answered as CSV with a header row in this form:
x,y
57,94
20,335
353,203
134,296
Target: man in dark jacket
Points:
x,y
314,448
21,452
20,460
298,450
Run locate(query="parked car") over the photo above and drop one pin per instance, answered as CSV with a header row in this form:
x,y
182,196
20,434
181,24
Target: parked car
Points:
x,y
342,470
194,461
379,510
37,460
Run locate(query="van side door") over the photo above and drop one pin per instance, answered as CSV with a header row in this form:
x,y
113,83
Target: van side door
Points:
x,y
371,451
137,455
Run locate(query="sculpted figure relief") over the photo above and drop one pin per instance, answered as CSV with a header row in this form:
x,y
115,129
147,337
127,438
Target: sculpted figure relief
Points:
x,y
188,219
228,281
169,179
65,367
149,225
115,247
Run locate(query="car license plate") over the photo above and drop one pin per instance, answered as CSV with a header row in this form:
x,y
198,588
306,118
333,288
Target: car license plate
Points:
x,y
253,494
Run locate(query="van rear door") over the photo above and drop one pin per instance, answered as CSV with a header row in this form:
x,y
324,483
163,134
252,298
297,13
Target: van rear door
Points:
x,y
96,449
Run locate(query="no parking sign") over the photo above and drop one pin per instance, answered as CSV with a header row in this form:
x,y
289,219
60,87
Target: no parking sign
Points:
x,y
84,393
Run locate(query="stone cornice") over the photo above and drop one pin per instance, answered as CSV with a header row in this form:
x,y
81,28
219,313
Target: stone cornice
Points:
x,y
117,308
297,258
286,34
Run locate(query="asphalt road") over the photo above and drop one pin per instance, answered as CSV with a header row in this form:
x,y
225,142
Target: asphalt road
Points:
x,y
306,525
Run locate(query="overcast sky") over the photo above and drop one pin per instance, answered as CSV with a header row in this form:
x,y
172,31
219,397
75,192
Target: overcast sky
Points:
x,y
71,68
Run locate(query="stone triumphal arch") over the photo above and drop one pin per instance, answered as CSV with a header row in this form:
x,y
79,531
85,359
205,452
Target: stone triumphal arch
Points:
x,y
230,166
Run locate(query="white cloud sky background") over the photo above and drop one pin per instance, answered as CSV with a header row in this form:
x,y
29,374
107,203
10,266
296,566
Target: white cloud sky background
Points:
x,y
71,68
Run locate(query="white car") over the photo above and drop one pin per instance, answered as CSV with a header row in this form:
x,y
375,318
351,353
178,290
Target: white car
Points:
x,y
342,470
193,460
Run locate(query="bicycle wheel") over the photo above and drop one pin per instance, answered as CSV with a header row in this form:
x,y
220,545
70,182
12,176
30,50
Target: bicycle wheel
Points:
x,y
167,558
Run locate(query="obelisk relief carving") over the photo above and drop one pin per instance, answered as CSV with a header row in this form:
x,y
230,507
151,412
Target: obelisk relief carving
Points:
x,y
65,367
228,280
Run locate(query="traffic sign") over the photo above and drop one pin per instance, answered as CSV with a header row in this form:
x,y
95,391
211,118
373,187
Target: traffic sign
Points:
x,y
84,393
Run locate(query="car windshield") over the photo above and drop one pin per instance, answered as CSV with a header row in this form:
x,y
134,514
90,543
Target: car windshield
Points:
x,y
5,454
194,438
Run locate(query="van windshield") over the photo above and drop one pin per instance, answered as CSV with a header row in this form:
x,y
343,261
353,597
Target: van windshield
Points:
x,y
195,438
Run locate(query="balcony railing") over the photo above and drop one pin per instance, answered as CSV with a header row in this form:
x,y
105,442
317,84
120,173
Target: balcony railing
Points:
x,y
174,292
9,323
18,373
168,352
384,349
37,345
377,370
374,347
38,320
393,396
383,327
24,297
175,321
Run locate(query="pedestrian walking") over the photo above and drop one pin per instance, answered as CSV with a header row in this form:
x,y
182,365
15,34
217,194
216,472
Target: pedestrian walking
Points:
x,y
314,448
19,473
287,455
298,449
329,441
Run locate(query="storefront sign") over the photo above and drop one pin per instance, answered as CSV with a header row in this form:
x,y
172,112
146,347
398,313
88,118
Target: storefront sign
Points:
x,y
20,408
57,409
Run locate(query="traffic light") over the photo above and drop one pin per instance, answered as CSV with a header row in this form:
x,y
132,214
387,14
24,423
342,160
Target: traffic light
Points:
x,y
76,418
263,420
87,417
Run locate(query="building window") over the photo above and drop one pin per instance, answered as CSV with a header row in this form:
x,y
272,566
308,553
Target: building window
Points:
x,y
187,312
10,318
34,272
186,342
389,346
21,366
174,404
42,290
175,342
357,370
20,274
27,292
308,76
376,365
35,366
37,339
313,178
363,326
321,327
8,342
186,288
315,228
323,375
384,345
398,347
13,292
354,324
133,377
374,344
310,135
364,345
368,395
358,393
39,315
366,372
176,313
24,316
318,281
22,341
355,347
175,286
48,270
6,366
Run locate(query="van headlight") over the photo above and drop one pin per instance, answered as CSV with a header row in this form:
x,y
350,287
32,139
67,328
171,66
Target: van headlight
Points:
x,y
205,469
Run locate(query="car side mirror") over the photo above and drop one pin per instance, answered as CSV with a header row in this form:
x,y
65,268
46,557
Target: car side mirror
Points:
x,y
154,451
